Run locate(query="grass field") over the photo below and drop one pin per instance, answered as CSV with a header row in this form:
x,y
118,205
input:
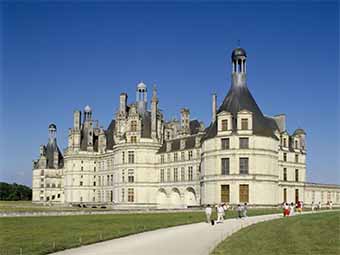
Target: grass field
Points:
x,y
28,206
41,235
308,234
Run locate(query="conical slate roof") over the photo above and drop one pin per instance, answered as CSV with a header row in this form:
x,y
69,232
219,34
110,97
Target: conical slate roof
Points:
x,y
239,98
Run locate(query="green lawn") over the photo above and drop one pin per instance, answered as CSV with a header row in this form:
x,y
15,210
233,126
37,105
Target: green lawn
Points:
x,y
28,206
307,234
37,235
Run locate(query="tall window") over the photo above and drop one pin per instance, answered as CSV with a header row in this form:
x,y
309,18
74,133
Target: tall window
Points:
x,y
189,155
123,175
296,175
175,174
133,139
190,173
244,124
182,174
123,157
131,157
162,159
285,174
131,195
296,195
168,177
296,158
296,144
284,156
244,193
225,143
244,165
81,184
131,177
284,142
175,156
225,166
225,197
284,195
133,126
244,143
182,156
169,159
162,175
224,125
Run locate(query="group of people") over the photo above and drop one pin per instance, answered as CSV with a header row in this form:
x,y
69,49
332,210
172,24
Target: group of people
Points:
x,y
221,210
318,206
289,209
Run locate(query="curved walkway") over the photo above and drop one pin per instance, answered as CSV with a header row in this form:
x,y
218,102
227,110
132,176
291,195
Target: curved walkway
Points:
x,y
193,239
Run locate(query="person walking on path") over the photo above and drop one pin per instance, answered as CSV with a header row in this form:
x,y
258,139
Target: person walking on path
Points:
x,y
285,210
330,205
208,212
313,206
225,208
319,205
220,212
291,209
239,211
245,209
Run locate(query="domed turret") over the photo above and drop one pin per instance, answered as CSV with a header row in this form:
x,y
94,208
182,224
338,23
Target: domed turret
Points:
x,y
87,109
52,126
87,113
238,53
52,132
238,57
141,97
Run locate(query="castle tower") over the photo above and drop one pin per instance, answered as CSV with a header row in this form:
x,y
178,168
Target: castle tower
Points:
x,y
185,121
141,98
154,106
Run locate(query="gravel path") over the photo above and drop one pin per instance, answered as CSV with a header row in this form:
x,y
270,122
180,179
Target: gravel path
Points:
x,y
193,239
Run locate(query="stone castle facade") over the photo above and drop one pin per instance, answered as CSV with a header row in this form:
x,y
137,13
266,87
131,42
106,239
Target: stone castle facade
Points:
x,y
142,160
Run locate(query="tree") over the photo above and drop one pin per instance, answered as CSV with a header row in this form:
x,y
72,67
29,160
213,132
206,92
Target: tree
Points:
x,y
14,192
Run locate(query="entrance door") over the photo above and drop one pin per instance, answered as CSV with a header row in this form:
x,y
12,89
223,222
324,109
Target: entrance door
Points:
x,y
225,195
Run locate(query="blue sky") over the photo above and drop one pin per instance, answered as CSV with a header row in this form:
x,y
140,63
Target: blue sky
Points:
x,y
58,57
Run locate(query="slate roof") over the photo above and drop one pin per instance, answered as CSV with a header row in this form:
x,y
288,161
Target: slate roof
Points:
x,y
239,98
109,135
176,144
50,148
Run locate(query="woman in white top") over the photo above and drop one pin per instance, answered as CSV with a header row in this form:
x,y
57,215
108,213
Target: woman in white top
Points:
x,y
291,209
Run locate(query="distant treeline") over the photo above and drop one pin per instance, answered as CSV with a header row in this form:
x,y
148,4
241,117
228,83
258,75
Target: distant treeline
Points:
x,y
14,192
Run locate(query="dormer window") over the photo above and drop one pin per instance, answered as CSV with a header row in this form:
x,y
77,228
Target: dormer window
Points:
x,y
284,142
244,124
182,144
224,125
